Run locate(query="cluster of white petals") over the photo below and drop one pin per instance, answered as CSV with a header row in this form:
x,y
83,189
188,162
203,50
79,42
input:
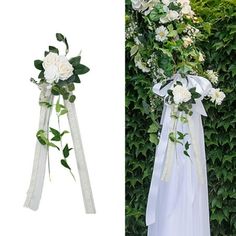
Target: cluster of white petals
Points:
x,y
161,33
216,96
213,76
56,67
181,94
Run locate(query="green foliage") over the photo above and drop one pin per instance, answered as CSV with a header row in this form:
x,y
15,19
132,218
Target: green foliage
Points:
x,y
218,40
61,38
219,44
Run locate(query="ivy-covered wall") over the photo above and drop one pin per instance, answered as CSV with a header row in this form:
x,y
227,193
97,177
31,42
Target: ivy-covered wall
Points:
x,y
142,125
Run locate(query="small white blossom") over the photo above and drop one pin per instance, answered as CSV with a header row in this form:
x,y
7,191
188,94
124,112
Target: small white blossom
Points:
x,y
181,94
140,64
187,41
213,76
166,2
216,96
161,33
201,57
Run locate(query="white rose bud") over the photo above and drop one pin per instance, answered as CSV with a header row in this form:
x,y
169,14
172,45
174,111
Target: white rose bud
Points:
x,y
50,59
51,74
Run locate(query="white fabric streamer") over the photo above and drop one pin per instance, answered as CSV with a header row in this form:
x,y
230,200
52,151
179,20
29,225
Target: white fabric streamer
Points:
x,y
178,196
80,158
41,153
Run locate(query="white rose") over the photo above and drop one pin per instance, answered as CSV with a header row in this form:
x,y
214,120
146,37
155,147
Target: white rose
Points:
x,y
51,74
181,94
50,59
187,41
187,10
172,15
216,96
65,69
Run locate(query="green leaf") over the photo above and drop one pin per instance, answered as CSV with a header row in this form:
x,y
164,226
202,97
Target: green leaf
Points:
x,y
81,69
58,106
53,49
181,135
41,74
66,151
41,137
65,164
75,61
47,104
63,112
153,138
38,64
60,37
187,145
72,98
54,132
186,153
53,145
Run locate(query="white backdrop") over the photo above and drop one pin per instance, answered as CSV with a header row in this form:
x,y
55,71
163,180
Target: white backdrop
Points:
x,y
27,28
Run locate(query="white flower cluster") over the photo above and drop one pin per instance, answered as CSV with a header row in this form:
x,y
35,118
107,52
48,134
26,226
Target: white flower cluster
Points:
x,y
181,94
216,96
140,64
56,67
145,6
213,76
131,30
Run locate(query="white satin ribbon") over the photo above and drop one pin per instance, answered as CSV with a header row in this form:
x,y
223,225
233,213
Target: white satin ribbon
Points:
x,y
41,153
80,158
164,153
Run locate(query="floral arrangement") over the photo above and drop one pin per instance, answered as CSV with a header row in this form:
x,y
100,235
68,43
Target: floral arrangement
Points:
x,y
161,36
58,76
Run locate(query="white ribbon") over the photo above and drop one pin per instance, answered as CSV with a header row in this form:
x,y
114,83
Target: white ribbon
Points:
x,y
80,158
41,153
165,149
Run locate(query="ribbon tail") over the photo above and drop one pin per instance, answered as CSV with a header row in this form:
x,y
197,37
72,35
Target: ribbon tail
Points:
x,y
80,158
40,159
196,149
158,165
